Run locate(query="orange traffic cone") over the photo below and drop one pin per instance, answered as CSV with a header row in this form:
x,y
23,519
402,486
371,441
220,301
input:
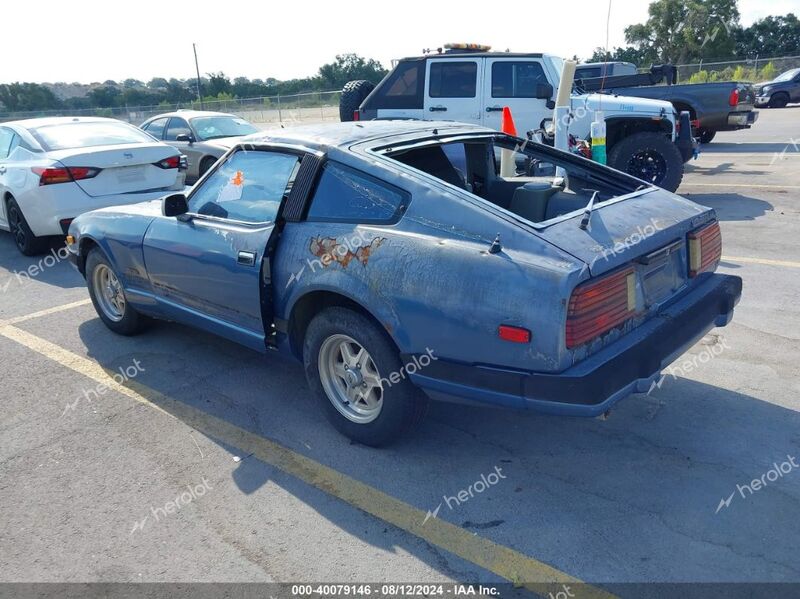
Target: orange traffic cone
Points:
x,y
508,167
507,125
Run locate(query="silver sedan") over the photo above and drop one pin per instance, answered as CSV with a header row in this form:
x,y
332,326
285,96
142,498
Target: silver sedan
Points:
x,y
200,135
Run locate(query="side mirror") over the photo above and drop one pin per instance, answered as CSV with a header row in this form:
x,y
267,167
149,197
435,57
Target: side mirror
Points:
x,y
544,91
174,205
188,137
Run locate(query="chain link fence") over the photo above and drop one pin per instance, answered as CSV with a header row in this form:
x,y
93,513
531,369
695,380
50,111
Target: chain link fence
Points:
x,y
311,107
753,70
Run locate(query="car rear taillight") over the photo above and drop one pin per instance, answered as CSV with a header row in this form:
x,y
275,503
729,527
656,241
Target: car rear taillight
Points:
x,y
356,115
705,248
733,99
598,306
171,162
50,176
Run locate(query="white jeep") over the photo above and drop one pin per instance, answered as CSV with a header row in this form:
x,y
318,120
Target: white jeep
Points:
x,y
472,85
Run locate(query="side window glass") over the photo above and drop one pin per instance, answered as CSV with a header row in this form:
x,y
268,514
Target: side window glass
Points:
x,y
156,128
176,127
346,195
248,187
6,139
449,79
516,79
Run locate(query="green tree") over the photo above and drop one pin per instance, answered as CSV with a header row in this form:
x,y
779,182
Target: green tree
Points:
x,y
683,31
348,67
771,36
27,96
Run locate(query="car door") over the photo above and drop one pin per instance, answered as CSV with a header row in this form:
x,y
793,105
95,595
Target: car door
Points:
x,y
179,126
208,268
512,82
156,128
452,89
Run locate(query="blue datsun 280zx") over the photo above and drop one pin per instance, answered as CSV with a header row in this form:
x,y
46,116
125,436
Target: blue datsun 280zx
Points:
x,y
399,257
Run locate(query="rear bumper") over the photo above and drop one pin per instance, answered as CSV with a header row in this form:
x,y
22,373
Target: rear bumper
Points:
x,y
630,365
742,120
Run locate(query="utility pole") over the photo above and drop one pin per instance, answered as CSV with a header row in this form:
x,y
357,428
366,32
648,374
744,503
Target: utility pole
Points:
x,y
197,68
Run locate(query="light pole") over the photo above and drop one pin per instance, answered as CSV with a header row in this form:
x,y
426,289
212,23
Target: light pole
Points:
x,y
197,69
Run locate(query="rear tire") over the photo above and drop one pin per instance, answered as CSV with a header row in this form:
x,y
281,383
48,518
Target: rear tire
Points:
x,y
779,100
27,243
345,354
649,156
353,94
707,135
109,298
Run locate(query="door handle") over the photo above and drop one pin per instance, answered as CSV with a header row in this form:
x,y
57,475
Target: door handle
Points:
x,y
2,170
438,108
494,109
246,258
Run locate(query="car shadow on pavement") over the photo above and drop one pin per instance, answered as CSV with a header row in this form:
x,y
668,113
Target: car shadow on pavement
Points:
x,y
747,147
51,268
653,493
721,168
732,206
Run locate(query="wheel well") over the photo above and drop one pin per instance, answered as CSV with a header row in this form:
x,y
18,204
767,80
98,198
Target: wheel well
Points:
x,y
619,129
86,245
680,107
311,304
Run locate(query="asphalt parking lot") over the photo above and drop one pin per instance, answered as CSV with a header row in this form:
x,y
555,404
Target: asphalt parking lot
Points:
x,y
204,461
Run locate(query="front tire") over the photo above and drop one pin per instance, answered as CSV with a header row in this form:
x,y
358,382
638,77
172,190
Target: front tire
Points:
x,y
205,165
779,100
27,243
651,157
108,296
348,363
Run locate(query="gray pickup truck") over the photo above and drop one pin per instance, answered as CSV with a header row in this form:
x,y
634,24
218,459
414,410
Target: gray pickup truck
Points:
x,y
779,92
723,106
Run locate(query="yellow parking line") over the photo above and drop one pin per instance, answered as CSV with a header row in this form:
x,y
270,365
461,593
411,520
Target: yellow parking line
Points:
x,y
766,261
46,312
499,559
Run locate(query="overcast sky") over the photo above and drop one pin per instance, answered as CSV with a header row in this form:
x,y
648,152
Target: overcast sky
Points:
x,y
91,40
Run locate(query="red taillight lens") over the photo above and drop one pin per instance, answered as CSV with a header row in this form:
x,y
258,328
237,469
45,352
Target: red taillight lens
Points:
x,y
50,176
171,162
598,306
705,248
356,115
733,100
514,334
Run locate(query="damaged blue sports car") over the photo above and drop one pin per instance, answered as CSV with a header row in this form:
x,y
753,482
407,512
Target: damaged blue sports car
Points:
x,y
404,261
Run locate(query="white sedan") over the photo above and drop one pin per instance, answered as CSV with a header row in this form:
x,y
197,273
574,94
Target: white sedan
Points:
x,y
53,169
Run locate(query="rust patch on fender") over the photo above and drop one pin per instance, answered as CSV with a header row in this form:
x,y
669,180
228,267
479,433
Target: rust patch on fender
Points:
x,y
329,250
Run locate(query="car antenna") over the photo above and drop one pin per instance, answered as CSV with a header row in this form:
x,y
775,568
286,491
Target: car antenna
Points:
x,y
496,247
587,213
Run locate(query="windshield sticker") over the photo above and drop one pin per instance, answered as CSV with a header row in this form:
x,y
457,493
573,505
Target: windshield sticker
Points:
x,y
233,189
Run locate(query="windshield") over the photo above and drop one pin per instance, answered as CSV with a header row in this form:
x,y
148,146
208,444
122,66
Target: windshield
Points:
x,y
214,127
66,136
788,75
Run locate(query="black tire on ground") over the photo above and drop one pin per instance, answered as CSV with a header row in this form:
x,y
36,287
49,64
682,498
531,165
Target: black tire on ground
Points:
x,y
353,94
402,405
649,156
27,243
205,164
707,135
779,100
132,322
